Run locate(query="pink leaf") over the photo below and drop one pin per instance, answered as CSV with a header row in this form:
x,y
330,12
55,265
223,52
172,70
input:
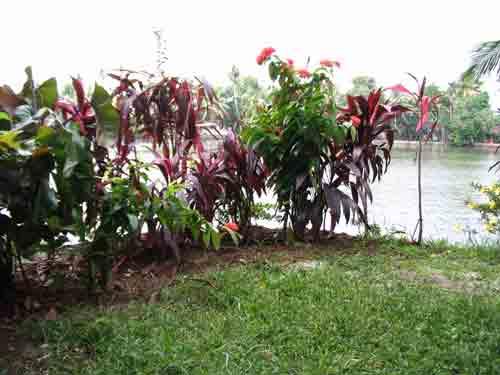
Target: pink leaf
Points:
x,y
400,88
424,112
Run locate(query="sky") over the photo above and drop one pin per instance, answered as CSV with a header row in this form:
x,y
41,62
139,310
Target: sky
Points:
x,y
383,38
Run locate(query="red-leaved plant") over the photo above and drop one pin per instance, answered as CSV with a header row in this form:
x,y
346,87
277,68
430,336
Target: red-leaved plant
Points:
x,y
426,109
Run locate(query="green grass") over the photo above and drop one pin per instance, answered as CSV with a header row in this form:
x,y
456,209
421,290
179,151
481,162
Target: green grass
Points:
x,y
352,315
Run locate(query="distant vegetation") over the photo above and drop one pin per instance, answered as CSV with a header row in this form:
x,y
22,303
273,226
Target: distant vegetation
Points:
x,y
466,113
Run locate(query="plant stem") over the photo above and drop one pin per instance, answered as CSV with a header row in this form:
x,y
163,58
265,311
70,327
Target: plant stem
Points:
x,y
23,272
419,172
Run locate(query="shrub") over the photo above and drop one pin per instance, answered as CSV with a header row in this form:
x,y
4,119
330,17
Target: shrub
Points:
x,y
490,210
312,148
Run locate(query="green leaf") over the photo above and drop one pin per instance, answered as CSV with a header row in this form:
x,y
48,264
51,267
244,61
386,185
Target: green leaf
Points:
x,y
99,96
47,93
206,238
5,121
338,134
133,222
27,90
354,133
45,135
216,238
54,223
23,113
69,167
273,71
8,140
107,115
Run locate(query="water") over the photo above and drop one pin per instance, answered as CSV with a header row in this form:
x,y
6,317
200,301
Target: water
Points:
x,y
447,175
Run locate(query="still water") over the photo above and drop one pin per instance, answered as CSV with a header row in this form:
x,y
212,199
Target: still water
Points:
x,y
447,174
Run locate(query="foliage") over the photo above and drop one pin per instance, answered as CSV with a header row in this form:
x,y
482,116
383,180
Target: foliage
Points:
x,y
247,178
58,178
490,210
425,109
240,99
362,85
473,120
465,114
311,149
223,185
166,111
485,60
47,173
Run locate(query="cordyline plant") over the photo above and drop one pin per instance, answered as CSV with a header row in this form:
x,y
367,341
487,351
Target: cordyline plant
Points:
x,y
225,183
320,157
168,113
426,110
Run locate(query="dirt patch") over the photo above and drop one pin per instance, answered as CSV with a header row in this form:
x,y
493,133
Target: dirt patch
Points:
x,y
470,285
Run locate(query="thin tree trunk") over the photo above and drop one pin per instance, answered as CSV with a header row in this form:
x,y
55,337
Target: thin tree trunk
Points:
x,y
419,172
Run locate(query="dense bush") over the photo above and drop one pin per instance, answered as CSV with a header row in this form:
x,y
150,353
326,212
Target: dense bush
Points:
x,y
312,148
57,177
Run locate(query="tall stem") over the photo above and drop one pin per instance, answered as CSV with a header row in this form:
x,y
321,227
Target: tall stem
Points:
x,y
419,173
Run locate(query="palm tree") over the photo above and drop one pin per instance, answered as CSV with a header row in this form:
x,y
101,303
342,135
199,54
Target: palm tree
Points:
x,y
468,85
485,60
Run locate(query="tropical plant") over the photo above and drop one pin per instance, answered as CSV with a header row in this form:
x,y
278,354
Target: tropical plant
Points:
x,y
425,109
46,172
166,111
312,149
240,99
247,178
485,60
490,210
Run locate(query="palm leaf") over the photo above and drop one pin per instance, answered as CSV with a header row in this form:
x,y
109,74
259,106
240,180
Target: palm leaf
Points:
x,y
485,59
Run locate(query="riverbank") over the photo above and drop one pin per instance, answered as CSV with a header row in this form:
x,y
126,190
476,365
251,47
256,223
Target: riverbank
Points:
x,y
361,305
398,144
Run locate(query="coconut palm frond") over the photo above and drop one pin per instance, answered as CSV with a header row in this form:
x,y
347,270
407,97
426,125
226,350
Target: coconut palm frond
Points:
x,y
485,59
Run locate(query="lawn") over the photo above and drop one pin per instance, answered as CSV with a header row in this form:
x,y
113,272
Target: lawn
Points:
x,y
400,311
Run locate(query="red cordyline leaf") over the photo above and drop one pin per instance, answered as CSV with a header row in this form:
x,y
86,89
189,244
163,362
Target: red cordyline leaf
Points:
x,y
400,88
424,112
80,92
66,108
373,105
71,112
165,166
